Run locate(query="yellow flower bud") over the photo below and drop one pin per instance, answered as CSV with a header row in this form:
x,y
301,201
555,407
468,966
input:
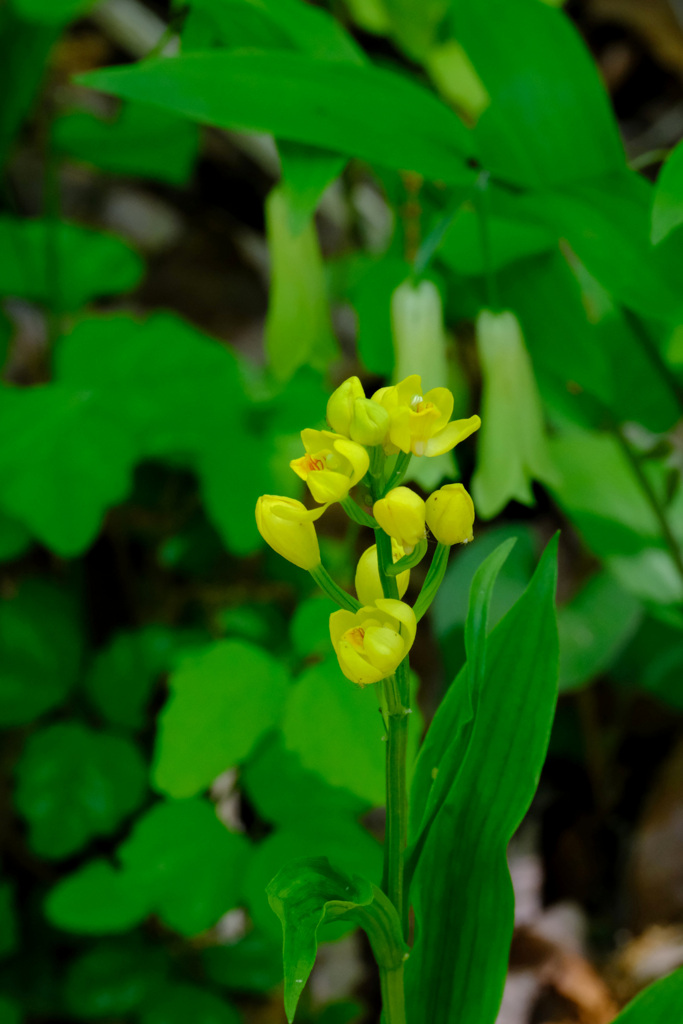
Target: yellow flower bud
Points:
x,y
420,423
332,464
368,583
372,642
401,514
450,514
287,526
340,405
369,422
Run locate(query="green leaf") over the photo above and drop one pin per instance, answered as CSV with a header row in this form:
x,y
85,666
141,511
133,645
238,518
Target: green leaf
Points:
x,y
187,862
298,327
10,1011
121,677
142,141
57,12
461,890
14,538
95,900
24,52
653,662
180,1003
56,262
395,123
549,120
40,651
8,924
306,173
509,240
326,717
305,894
223,700
329,834
254,964
113,978
667,207
594,629
74,784
64,461
659,1003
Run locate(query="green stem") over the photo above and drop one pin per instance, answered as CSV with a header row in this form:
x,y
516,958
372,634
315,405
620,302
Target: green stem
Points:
x,y
332,589
393,997
356,513
402,463
384,558
654,355
397,798
655,504
433,579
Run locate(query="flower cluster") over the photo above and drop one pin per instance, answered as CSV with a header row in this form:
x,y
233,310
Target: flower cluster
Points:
x,y
371,441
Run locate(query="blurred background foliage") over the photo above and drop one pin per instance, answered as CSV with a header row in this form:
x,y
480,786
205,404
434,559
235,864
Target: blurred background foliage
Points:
x,y
281,195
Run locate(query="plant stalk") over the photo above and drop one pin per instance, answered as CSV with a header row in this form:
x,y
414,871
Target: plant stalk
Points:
x,y
397,798
393,998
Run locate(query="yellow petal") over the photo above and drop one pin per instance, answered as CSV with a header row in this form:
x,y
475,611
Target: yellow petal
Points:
x,y
453,434
404,614
384,649
409,389
357,457
340,623
355,666
326,485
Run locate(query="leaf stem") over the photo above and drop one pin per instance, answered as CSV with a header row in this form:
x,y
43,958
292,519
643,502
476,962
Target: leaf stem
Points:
x,y
332,589
397,799
393,997
384,559
655,504
400,468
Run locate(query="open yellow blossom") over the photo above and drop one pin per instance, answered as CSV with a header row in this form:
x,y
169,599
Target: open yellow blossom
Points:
x,y
368,582
422,424
332,464
287,526
450,514
401,514
372,642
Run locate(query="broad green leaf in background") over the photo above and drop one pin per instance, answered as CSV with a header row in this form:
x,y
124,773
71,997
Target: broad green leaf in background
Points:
x,y
63,264
40,650
8,922
305,894
549,120
57,12
113,978
180,863
74,784
659,1003
10,1011
306,173
594,628
123,391
187,862
180,1003
121,677
336,730
370,295
607,224
222,701
653,662
462,894
14,538
667,207
254,964
414,25
64,461
454,76
509,240
142,142
95,900
298,328
395,122
310,626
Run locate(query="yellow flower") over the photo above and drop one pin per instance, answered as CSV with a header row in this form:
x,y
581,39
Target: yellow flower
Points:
x,y
350,413
372,643
450,514
332,464
340,405
401,514
420,423
287,526
368,583
369,422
